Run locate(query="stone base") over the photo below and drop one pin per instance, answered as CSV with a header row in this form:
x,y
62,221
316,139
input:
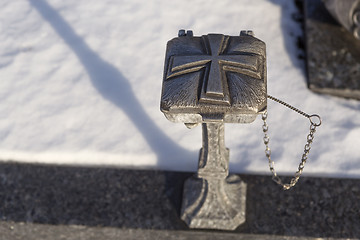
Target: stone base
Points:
x,y
67,202
214,203
333,54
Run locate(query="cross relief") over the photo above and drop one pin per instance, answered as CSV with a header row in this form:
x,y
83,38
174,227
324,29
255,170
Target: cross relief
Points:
x,y
215,63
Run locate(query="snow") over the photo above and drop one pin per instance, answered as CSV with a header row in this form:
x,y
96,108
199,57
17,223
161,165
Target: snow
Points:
x,y
81,83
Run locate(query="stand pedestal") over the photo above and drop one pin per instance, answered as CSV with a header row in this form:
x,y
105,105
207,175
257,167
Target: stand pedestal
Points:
x,y
211,199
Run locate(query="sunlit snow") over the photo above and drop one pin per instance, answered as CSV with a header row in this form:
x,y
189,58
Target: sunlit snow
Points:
x,y
80,83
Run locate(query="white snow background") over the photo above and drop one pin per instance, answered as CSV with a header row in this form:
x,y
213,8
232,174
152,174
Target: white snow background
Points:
x,y
80,84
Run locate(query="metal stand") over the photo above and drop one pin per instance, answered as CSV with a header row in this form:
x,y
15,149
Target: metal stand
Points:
x,y
211,199
214,79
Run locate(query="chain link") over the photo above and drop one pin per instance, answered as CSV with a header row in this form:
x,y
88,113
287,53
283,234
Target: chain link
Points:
x,y
315,121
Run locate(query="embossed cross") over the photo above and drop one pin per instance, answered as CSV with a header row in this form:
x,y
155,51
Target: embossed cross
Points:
x,y
216,63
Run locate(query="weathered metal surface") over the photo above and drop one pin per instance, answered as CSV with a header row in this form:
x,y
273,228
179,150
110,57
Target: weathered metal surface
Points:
x,y
214,77
212,199
211,80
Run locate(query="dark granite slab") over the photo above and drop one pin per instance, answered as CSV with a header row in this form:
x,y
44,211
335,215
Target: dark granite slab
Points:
x,y
129,200
32,231
333,54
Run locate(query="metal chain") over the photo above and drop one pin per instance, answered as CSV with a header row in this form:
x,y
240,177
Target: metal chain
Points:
x,y
315,121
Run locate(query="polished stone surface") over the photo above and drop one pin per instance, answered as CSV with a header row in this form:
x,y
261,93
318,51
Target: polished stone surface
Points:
x,y
31,231
98,198
333,54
